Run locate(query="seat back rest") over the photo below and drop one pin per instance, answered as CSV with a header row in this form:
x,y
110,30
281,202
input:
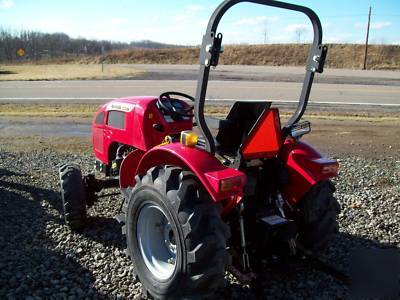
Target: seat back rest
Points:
x,y
240,120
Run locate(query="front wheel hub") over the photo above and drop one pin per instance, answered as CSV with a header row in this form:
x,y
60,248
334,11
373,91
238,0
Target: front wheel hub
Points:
x,y
157,242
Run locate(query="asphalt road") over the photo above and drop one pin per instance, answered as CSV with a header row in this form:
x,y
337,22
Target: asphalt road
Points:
x,y
108,89
226,82
267,73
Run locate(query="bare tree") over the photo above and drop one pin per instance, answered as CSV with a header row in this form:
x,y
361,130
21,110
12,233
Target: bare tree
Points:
x,y
39,45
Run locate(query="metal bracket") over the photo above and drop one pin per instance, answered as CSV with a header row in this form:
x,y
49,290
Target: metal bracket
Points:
x,y
316,60
213,50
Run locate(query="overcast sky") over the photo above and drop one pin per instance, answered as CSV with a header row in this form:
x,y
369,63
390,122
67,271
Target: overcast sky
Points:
x,y
184,22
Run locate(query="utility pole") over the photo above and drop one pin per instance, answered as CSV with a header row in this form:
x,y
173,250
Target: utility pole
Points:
x,y
366,40
265,32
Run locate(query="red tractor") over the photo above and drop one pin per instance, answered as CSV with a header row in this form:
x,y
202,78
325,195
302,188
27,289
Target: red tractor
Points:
x,y
203,195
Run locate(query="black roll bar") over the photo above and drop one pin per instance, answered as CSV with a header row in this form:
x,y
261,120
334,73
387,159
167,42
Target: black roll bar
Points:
x,y
211,48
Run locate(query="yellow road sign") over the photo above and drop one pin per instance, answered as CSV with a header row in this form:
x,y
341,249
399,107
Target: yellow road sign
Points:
x,y
20,52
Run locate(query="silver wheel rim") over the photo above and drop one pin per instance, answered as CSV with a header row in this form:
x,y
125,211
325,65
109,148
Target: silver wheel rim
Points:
x,y
156,241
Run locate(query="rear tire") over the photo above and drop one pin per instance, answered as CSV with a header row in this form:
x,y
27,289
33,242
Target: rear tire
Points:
x,y
318,221
73,196
199,257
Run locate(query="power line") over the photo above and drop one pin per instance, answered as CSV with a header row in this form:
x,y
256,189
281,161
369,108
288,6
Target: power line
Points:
x,y
386,15
344,16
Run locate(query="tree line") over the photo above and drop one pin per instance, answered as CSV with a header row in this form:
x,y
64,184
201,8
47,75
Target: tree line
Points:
x,y
39,45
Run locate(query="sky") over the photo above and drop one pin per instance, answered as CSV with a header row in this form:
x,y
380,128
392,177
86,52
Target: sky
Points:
x,y
184,22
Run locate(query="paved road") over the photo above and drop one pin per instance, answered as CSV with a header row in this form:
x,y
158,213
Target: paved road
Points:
x,y
103,90
267,73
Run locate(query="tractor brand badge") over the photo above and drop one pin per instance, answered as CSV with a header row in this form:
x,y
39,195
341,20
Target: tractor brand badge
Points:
x,y
21,52
125,107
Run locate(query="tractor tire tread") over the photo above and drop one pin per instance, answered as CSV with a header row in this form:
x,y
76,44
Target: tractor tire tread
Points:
x,y
204,232
319,218
73,196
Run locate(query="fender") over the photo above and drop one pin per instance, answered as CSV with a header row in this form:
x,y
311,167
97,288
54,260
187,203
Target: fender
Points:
x,y
127,171
220,181
305,167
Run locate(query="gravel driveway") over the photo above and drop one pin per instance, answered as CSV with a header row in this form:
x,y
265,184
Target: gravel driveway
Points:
x,y
40,258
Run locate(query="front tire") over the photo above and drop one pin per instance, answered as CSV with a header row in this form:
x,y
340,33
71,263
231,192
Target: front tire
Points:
x,y
73,196
175,236
318,221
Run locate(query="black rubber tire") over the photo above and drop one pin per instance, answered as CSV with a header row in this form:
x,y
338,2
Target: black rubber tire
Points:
x,y
73,196
202,256
318,221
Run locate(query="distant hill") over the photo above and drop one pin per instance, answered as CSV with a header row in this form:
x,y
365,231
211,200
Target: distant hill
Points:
x,y
339,56
60,48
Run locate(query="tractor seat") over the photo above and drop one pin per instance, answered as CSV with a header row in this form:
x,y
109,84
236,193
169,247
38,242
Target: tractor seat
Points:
x,y
230,133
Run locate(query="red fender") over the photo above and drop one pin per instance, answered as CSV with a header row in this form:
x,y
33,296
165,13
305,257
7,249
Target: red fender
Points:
x,y
128,168
306,166
205,166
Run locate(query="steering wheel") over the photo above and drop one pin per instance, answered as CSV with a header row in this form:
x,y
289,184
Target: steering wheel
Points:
x,y
166,103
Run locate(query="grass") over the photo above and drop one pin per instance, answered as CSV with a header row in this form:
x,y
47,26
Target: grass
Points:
x,y
87,110
348,56
81,110
64,72
336,132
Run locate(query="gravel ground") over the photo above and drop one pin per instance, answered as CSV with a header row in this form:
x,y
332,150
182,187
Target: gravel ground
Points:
x,y
41,258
